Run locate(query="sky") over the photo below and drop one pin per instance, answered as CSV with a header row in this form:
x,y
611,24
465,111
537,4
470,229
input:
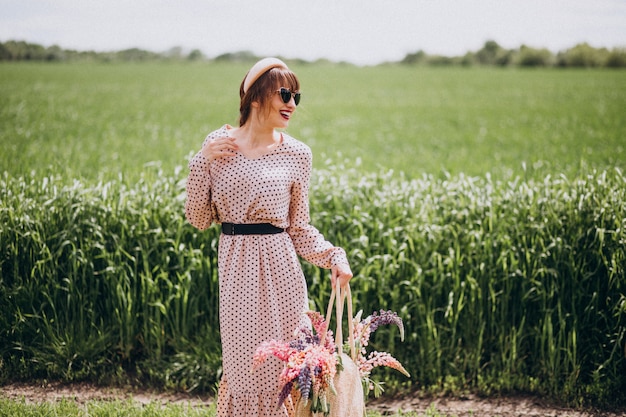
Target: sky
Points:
x,y
363,32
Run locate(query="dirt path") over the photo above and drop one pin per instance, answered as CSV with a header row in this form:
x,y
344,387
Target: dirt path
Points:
x,y
473,406
469,406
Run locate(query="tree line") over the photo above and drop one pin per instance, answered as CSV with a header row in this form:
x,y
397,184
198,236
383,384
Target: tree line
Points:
x,y
13,50
581,55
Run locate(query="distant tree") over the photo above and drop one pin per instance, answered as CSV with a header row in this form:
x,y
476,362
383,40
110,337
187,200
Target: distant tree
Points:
x,y
5,54
493,54
531,57
414,58
135,54
441,60
34,52
241,56
616,58
583,55
468,59
55,53
322,61
505,57
195,55
23,51
488,54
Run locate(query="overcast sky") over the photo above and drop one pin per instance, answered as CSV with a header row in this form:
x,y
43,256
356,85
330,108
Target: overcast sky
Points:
x,y
358,31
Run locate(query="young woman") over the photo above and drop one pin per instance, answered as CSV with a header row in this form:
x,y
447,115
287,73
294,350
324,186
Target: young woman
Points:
x,y
254,180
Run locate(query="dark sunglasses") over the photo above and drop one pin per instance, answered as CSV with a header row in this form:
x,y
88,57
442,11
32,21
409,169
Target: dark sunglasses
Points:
x,y
286,94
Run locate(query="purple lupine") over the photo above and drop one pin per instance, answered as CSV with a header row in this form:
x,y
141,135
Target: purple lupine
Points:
x,y
285,392
298,344
304,382
385,318
306,336
305,333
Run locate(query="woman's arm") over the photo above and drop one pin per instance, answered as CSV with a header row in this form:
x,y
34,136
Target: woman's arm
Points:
x,y
198,208
308,241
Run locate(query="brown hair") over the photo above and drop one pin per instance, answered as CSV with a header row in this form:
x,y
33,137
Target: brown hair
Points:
x,y
263,88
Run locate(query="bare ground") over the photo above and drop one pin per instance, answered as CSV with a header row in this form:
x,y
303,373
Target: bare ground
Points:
x,y
466,406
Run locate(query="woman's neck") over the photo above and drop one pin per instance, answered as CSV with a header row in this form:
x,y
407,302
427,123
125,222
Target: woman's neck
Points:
x,y
257,136
254,143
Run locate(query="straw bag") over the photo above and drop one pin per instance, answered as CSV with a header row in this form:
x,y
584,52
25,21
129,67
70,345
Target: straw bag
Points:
x,y
348,400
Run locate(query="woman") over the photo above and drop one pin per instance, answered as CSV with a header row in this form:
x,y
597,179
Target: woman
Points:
x,y
254,180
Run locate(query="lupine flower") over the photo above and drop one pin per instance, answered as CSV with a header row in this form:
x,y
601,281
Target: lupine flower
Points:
x,y
272,347
317,321
319,324
385,359
285,392
385,318
304,382
362,330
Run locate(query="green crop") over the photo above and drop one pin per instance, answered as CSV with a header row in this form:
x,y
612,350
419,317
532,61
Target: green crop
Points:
x,y
513,285
106,121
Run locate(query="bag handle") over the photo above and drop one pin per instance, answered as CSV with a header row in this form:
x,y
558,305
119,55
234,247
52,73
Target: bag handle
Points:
x,y
341,296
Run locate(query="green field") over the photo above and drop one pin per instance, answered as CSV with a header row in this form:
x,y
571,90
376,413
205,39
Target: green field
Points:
x,y
502,244
102,121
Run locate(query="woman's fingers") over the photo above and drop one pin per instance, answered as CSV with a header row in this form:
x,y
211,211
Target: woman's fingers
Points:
x,y
341,272
219,148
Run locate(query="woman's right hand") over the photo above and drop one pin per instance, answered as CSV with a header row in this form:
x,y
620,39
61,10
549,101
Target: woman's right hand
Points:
x,y
219,148
341,273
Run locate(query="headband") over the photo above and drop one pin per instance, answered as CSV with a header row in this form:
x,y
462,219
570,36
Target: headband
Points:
x,y
261,68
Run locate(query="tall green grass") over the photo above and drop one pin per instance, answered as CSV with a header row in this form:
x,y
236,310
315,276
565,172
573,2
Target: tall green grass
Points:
x,y
503,285
104,279
515,285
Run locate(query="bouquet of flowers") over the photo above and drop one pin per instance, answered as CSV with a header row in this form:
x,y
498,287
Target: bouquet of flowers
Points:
x,y
311,359
310,363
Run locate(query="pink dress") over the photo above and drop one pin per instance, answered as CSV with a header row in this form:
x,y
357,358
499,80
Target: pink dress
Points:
x,y
263,291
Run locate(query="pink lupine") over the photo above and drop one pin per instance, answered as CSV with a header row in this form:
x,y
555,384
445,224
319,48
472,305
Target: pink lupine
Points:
x,y
317,321
269,348
376,359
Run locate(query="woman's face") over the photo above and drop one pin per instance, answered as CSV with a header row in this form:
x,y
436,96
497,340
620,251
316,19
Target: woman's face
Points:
x,y
278,112
264,101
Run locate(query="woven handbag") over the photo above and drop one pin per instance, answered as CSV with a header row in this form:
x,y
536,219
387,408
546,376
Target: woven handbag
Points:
x,y
348,400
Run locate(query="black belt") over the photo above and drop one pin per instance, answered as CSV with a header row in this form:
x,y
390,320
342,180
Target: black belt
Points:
x,y
250,229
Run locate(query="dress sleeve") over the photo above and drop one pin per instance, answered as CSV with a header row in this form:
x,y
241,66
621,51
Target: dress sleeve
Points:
x,y
308,241
199,209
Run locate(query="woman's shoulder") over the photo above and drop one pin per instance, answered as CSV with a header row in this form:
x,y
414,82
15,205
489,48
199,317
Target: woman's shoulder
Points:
x,y
223,131
296,145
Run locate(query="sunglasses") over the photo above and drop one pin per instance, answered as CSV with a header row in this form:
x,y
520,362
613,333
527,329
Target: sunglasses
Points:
x,y
286,95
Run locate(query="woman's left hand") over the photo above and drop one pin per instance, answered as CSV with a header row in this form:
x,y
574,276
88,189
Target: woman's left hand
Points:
x,y
341,272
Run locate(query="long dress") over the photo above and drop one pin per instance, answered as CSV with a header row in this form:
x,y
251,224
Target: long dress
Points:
x,y
263,291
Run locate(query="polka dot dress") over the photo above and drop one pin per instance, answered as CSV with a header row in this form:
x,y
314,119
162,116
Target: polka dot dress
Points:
x,y
263,291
